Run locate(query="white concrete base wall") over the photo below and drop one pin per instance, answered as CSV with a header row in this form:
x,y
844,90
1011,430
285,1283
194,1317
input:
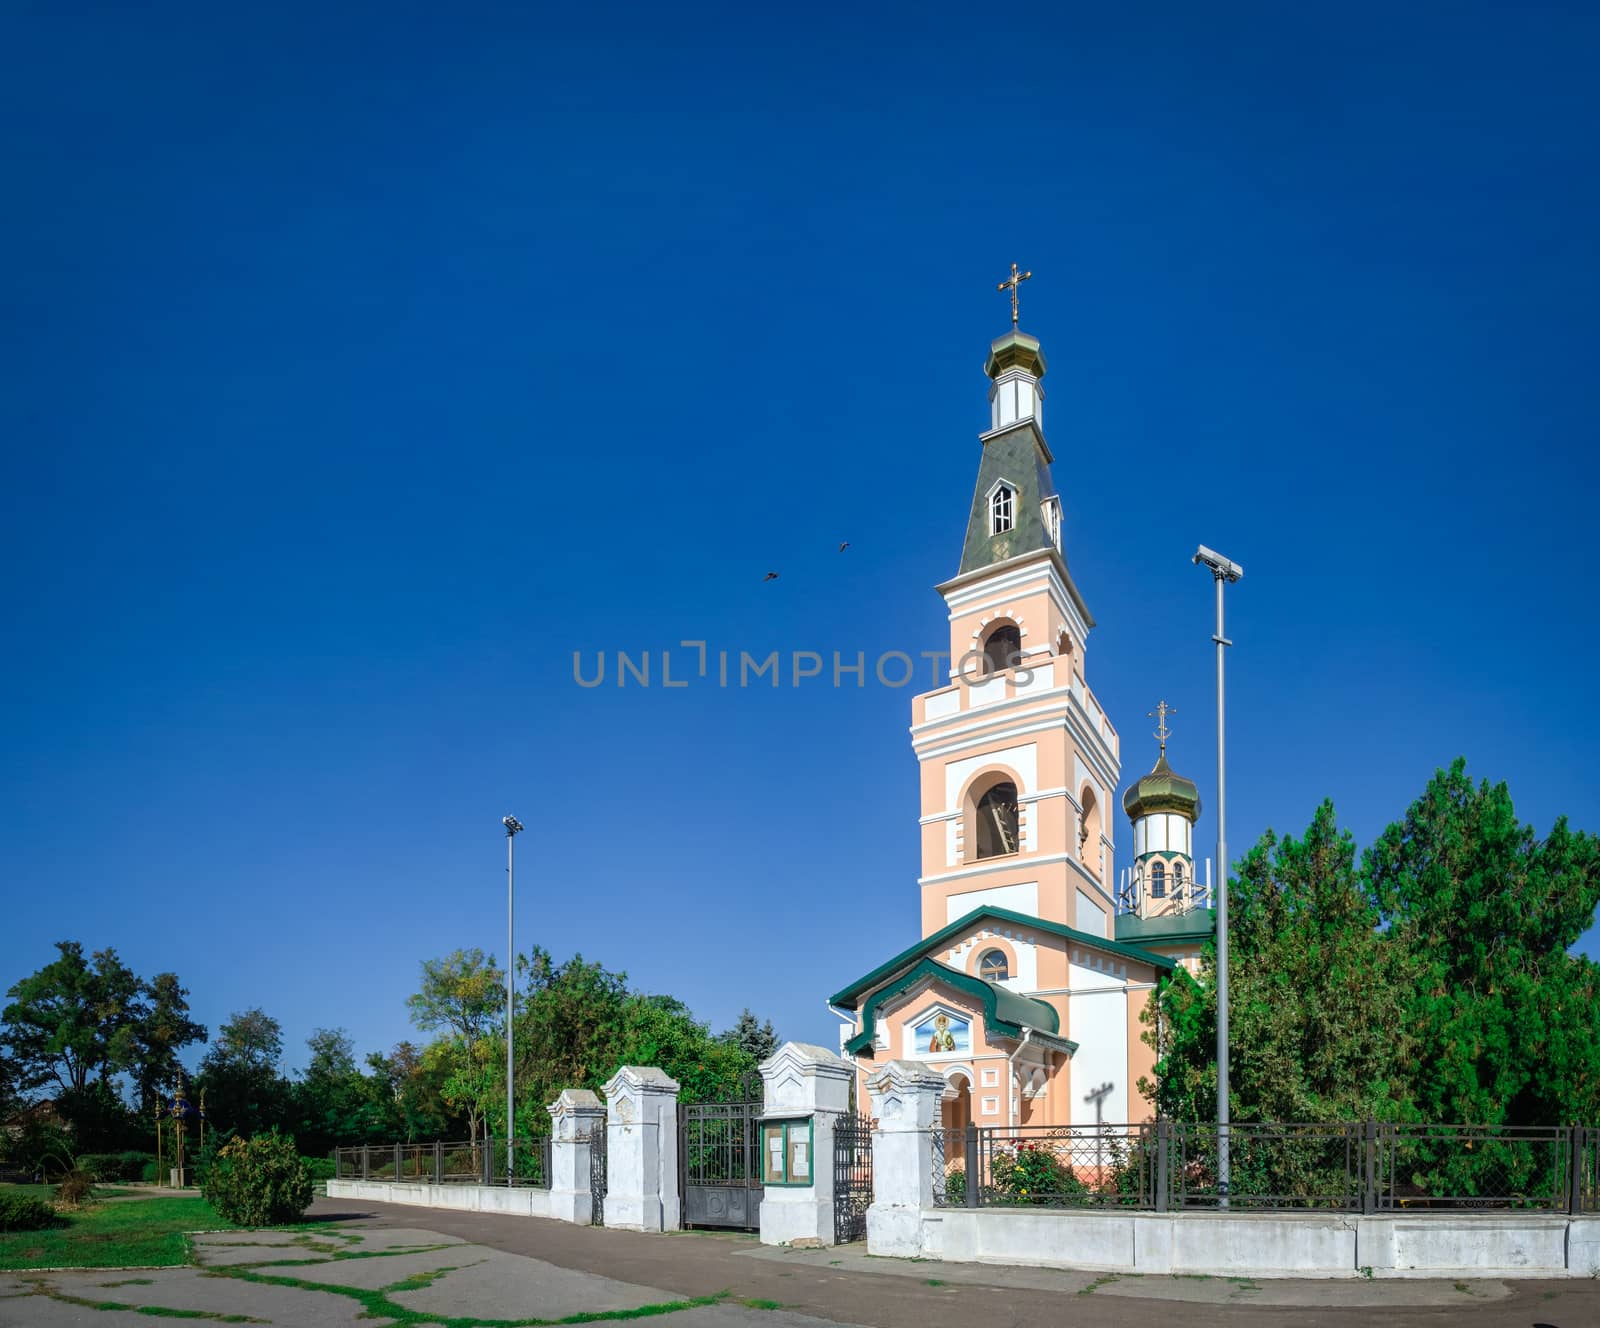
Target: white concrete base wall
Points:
x,y
518,1201
1257,1245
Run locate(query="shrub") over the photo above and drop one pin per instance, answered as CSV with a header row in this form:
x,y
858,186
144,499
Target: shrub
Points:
x,y
1030,1173
106,1167
318,1168
75,1188
23,1212
955,1188
258,1182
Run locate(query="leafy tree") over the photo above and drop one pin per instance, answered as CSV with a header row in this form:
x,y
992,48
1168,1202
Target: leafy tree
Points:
x,y
578,1022
334,1103
245,1092
758,1040
163,1029
415,1107
72,1020
78,1023
462,996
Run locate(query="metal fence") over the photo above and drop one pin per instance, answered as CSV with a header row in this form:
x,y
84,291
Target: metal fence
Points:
x,y
1359,1167
474,1162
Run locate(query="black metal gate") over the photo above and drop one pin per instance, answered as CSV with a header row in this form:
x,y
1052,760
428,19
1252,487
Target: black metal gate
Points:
x,y
719,1162
597,1176
852,1177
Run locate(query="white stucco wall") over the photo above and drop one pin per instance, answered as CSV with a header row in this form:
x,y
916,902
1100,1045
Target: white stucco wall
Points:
x,y
515,1201
1259,1244
1022,898
1098,1023
1091,917
1024,759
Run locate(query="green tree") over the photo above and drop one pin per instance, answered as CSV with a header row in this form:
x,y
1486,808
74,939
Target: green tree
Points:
x,y
245,1091
72,1020
79,1023
578,1022
414,1104
1486,912
1311,978
462,996
757,1039
162,1030
334,1103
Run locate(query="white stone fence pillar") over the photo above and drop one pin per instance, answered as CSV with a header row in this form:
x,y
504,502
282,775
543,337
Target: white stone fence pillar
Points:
x,y
642,1150
801,1081
574,1118
906,1098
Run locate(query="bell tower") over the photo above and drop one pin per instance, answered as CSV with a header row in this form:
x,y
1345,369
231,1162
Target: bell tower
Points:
x,y
1019,763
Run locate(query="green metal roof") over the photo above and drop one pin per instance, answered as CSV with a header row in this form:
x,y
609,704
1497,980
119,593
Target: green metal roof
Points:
x,y
1015,456
850,996
1169,929
1004,1011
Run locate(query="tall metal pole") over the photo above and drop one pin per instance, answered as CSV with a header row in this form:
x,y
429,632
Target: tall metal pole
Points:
x,y
1223,1161
1223,571
512,825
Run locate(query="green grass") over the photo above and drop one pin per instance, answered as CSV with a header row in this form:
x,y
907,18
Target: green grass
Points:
x,y
758,1303
376,1303
49,1191
143,1233
154,1311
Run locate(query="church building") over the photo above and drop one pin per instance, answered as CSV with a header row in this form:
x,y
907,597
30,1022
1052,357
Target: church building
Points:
x,y
1026,988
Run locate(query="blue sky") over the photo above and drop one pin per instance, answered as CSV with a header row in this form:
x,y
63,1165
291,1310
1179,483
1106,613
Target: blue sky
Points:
x,y
362,363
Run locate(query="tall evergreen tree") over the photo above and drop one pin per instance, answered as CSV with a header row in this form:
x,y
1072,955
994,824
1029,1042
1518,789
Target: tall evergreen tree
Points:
x,y
1311,978
1486,912
755,1038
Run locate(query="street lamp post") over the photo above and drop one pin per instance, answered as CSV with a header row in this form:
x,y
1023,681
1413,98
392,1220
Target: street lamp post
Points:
x,y
513,826
1223,572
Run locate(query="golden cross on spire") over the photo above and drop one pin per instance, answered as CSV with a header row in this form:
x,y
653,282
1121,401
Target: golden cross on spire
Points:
x,y
1159,714
1016,279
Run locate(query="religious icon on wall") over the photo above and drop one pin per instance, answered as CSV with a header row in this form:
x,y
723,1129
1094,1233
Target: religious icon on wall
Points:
x,y
944,1035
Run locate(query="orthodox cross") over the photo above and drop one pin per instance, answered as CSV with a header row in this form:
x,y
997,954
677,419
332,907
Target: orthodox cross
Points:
x,y
1016,279
1159,714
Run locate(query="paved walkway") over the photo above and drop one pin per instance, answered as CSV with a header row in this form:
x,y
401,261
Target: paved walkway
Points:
x,y
848,1286
381,1265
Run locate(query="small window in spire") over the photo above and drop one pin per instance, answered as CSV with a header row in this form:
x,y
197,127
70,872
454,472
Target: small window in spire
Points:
x,y
1051,511
1002,509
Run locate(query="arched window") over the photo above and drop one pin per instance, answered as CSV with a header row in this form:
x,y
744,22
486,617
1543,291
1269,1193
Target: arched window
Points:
x,y
1002,648
1089,833
1002,509
1158,881
1177,880
996,827
994,967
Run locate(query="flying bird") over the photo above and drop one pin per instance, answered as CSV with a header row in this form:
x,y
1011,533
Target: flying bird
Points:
x,y
843,545
770,576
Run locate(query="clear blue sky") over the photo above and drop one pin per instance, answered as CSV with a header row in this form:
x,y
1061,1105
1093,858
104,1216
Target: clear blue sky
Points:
x,y
362,362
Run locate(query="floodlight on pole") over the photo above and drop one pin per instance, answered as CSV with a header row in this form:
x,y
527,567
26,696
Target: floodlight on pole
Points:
x,y
513,828
1224,572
